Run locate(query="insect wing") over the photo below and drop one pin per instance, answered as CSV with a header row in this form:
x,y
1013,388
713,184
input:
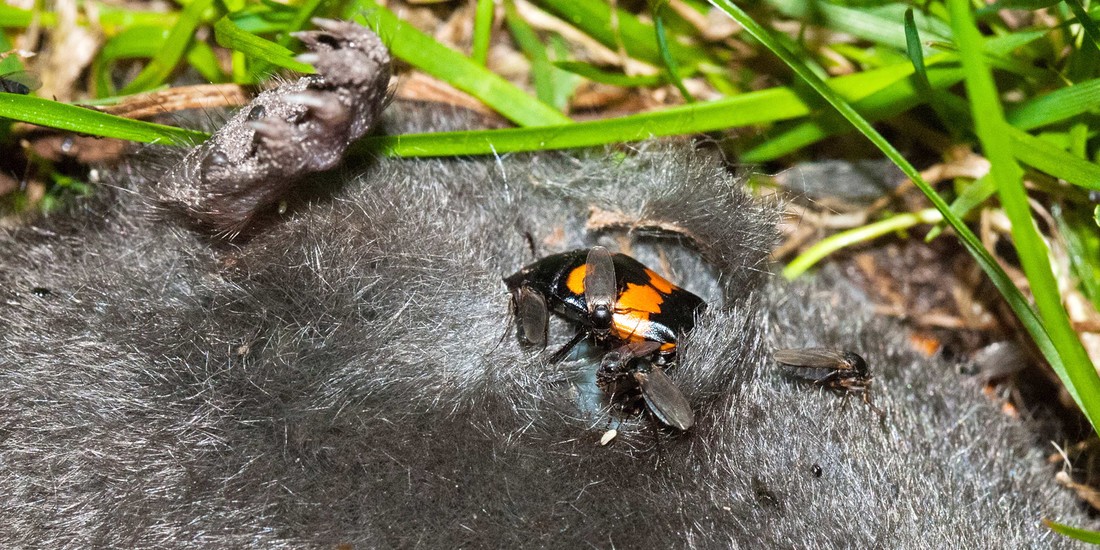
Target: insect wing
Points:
x,y
19,82
665,400
618,359
533,316
814,358
599,281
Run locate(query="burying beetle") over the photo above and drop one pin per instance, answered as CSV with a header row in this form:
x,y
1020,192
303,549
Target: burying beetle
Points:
x,y
626,308
839,370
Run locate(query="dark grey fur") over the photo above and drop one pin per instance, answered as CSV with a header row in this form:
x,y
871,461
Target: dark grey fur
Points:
x,y
342,378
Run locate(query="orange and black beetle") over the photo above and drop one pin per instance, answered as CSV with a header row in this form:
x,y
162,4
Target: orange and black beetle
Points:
x,y
624,307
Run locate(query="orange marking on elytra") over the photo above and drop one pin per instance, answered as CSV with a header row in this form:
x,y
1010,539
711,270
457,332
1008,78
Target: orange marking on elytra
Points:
x,y
639,298
630,326
636,327
659,282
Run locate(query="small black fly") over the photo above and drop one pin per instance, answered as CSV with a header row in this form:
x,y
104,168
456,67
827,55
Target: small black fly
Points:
x,y
839,370
19,82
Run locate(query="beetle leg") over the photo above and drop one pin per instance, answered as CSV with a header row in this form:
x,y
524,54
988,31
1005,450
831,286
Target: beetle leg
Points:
x,y
533,317
665,359
568,347
527,236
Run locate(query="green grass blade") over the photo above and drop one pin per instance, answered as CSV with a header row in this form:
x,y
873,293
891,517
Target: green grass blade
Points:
x,y
483,31
623,28
112,19
202,57
926,18
302,14
1029,5
971,197
1075,368
861,234
115,18
162,64
11,63
997,47
595,74
52,114
1083,247
772,105
986,261
742,110
423,52
233,5
1047,157
927,93
301,17
899,97
229,35
915,51
1086,22
669,61
267,17
565,84
541,69
882,27
1078,136
1083,535
1056,106
13,17
138,41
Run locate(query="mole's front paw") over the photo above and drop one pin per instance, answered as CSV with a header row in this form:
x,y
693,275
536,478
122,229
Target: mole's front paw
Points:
x,y
286,133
